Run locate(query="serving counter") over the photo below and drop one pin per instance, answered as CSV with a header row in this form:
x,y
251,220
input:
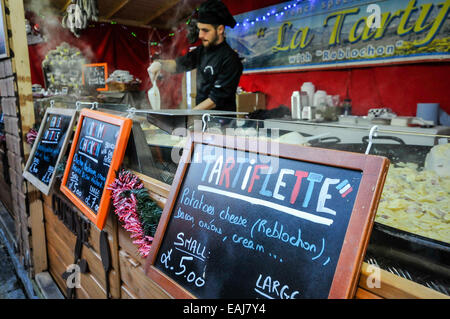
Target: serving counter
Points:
x,y
408,252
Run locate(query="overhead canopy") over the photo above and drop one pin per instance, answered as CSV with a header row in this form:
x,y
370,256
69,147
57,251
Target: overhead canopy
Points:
x,y
160,14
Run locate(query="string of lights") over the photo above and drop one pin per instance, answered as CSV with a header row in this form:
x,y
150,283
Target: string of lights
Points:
x,y
154,33
275,13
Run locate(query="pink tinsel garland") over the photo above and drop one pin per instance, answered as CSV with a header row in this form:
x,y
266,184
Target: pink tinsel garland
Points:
x,y
31,136
126,209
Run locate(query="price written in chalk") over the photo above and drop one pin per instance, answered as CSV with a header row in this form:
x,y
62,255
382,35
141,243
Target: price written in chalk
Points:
x,y
187,250
97,151
91,162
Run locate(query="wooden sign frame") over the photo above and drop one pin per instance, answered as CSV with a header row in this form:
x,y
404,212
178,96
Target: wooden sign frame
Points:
x,y
124,125
44,188
104,65
374,170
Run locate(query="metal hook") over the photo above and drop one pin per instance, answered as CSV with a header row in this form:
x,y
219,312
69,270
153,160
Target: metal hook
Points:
x,y
131,112
372,133
52,103
94,106
77,104
206,115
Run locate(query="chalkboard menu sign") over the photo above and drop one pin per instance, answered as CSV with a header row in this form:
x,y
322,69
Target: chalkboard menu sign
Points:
x,y
49,147
292,223
97,152
95,76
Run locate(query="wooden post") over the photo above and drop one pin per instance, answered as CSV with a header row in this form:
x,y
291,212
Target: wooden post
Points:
x,y
38,238
21,67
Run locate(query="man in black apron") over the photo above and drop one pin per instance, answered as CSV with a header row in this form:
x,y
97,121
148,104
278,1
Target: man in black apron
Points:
x,y
219,67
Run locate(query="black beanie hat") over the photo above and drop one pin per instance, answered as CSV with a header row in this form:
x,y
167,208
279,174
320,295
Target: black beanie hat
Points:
x,y
215,12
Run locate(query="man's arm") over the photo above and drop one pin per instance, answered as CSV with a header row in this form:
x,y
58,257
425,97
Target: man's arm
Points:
x,y
161,65
207,104
168,65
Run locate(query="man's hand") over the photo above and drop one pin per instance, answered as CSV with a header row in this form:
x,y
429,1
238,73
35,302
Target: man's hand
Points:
x,y
153,70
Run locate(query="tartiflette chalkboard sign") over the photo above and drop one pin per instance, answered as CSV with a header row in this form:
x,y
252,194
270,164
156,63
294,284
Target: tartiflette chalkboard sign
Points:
x,y
94,75
49,147
289,222
97,152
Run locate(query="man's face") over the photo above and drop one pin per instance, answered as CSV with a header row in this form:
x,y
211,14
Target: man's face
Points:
x,y
207,34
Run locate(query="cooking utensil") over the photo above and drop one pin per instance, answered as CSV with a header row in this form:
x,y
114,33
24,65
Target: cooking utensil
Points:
x,y
82,263
153,94
105,254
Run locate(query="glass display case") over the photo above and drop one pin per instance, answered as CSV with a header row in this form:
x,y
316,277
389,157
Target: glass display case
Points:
x,y
165,149
411,234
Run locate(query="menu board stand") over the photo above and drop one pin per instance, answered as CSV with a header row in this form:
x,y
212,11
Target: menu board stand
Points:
x,y
49,147
96,154
280,221
94,76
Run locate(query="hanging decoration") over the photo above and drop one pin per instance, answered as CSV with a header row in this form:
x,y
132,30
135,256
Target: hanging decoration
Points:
x,y
31,136
34,34
154,44
135,209
77,15
273,13
191,26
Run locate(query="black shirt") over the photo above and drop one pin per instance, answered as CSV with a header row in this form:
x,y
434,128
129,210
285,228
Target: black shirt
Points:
x,y
218,72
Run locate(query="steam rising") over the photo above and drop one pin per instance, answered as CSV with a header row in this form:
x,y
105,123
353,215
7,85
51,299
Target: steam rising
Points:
x,y
49,19
175,20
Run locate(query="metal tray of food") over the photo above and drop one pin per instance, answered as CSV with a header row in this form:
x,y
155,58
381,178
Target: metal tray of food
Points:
x,y
415,257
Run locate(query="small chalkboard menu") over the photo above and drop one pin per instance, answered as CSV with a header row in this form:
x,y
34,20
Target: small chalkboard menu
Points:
x,y
289,222
95,75
97,152
49,147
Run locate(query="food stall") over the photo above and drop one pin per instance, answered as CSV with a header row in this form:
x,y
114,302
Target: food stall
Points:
x,y
408,242
99,246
